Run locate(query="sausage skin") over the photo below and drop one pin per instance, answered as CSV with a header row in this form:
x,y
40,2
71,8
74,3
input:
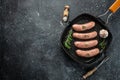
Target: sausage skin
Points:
x,y
88,53
85,44
83,27
90,35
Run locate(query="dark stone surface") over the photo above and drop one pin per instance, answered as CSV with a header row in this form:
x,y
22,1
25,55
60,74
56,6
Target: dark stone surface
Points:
x,y
31,40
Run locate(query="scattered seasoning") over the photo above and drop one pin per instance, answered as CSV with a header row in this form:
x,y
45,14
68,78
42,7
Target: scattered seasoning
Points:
x,y
83,27
86,44
66,13
88,55
86,36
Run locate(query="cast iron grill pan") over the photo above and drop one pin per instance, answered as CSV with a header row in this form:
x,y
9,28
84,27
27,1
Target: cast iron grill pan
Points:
x,y
99,24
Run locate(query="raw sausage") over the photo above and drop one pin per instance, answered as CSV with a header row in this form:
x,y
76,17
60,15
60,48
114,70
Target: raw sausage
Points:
x,y
88,53
83,27
85,35
86,44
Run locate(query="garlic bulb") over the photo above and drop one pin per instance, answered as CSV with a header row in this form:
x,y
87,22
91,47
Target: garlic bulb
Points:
x,y
103,33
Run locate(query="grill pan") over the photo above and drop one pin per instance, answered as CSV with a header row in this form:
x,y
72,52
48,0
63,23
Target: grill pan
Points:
x,y
99,24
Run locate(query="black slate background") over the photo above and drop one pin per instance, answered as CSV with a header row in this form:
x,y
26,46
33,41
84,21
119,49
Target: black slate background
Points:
x,y
30,40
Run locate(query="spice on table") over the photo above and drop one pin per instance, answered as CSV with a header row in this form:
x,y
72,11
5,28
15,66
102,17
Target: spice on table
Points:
x,y
66,13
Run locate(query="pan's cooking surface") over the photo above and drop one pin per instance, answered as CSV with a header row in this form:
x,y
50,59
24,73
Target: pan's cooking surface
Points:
x,y
84,18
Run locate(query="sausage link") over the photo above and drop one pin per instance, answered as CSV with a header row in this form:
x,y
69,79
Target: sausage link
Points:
x,y
88,53
86,44
83,27
90,35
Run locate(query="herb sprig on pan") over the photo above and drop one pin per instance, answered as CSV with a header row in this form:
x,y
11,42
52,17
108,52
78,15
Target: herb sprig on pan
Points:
x,y
68,40
102,44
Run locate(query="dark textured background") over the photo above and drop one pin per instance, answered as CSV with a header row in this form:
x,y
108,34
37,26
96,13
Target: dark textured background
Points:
x,y
30,33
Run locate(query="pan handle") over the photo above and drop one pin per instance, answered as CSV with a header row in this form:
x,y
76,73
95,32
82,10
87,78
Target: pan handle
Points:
x,y
115,6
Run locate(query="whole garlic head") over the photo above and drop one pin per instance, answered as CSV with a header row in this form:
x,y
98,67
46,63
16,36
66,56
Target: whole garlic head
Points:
x,y
103,33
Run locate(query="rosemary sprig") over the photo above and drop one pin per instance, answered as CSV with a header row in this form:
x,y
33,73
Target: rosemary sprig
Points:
x,y
102,44
68,40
